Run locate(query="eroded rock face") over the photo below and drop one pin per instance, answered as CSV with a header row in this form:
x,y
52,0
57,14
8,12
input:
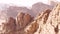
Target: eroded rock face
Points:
x,y
54,19
52,23
23,20
13,26
9,26
47,22
40,21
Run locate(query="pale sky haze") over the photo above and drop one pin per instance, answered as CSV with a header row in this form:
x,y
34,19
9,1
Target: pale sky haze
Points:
x,y
23,2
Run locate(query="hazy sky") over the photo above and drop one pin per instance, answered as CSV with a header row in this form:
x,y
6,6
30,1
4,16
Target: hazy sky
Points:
x,y
22,2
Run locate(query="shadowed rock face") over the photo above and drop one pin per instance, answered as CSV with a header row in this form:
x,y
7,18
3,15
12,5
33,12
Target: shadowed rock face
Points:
x,y
13,26
23,19
47,22
9,26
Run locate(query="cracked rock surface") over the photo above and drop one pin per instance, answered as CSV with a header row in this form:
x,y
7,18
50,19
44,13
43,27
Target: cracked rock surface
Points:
x,y
47,22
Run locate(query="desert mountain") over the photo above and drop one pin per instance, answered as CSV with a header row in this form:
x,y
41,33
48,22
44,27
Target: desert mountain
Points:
x,y
46,22
36,8
39,7
11,11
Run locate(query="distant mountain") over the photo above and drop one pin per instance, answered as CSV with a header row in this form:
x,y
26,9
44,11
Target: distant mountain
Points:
x,y
53,3
11,11
7,10
39,7
47,21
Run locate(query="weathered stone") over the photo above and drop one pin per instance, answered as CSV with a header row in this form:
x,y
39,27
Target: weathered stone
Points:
x,y
9,26
23,20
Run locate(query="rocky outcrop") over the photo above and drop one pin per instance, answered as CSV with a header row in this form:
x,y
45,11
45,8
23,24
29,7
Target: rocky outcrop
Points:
x,y
9,26
38,23
54,19
16,26
51,24
23,20
47,22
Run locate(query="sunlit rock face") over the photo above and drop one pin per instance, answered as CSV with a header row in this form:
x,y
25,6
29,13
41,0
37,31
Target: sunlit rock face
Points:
x,y
49,22
37,25
54,18
46,22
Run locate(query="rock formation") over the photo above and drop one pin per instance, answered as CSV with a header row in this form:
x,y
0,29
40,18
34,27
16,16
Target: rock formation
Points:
x,y
40,7
47,22
9,26
23,19
40,21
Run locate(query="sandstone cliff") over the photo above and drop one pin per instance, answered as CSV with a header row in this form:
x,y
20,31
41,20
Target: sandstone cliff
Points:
x,y
47,22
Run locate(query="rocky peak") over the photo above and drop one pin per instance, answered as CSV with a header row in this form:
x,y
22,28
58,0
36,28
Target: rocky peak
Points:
x,y
23,19
47,22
